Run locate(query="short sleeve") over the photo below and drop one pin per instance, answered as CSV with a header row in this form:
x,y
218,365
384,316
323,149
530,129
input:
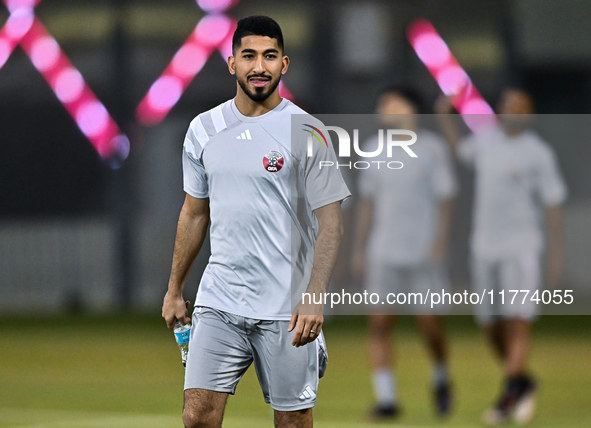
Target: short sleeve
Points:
x,y
443,179
323,181
194,175
466,150
549,182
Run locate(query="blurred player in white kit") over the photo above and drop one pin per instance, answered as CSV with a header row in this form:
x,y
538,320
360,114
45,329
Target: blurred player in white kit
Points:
x,y
516,174
402,233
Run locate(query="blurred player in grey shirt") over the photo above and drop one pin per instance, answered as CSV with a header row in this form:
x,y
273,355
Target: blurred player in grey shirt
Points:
x,y
402,233
517,175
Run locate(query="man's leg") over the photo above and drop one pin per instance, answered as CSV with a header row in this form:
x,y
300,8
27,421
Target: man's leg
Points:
x,y
520,384
518,398
380,346
288,376
381,359
510,339
204,408
218,357
517,342
495,333
436,342
297,419
485,278
383,278
520,273
434,337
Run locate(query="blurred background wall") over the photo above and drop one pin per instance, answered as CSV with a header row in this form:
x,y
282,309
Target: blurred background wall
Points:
x,y
76,234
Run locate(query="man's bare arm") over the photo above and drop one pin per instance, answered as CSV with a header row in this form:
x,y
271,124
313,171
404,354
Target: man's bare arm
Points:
x,y
555,228
330,233
363,223
441,243
190,234
447,122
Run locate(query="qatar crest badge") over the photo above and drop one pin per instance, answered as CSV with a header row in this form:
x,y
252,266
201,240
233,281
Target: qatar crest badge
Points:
x,y
273,161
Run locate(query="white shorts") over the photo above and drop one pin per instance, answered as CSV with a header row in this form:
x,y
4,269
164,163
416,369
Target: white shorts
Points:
x,y
384,278
515,273
223,345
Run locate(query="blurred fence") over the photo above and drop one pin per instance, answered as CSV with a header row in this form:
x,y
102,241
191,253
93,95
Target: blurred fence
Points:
x,y
70,265
53,265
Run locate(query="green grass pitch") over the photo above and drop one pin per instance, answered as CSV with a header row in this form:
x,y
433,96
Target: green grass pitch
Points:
x,y
122,371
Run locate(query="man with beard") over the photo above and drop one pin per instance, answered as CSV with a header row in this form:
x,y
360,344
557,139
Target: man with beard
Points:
x,y
270,208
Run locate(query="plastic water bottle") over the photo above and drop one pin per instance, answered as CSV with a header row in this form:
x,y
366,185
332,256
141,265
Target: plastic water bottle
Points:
x,y
181,334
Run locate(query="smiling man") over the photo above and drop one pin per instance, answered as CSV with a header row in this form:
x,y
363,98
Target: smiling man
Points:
x,y
242,172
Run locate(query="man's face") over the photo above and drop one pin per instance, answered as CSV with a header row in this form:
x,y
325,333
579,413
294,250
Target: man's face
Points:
x,y
258,65
514,101
516,108
401,113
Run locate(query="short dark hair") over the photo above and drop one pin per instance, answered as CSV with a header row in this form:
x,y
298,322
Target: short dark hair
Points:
x,y
257,25
406,92
516,88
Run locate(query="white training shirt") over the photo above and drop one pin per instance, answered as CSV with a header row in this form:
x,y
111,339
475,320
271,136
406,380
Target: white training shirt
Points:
x,y
262,191
514,176
406,201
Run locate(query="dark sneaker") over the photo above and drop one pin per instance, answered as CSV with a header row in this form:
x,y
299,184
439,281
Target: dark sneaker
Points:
x,y
517,401
525,407
382,413
443,399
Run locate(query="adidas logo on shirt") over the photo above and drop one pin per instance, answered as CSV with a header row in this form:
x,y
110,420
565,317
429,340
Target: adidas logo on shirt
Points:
x,y
244,136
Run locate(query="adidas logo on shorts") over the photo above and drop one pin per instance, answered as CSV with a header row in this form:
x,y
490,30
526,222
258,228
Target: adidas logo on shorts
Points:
x,y
307,394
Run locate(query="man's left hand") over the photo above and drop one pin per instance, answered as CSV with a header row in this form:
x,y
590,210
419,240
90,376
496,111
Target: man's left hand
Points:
x,y
554,271
307,321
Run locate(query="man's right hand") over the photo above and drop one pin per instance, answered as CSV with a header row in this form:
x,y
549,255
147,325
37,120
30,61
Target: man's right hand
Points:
x,y
175,308
443,105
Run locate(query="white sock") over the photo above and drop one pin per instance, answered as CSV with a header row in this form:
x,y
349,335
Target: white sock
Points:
x,y
440,376
384,386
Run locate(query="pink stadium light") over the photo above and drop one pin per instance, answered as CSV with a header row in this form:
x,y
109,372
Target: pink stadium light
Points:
x,y
213,32
92,117
449,74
